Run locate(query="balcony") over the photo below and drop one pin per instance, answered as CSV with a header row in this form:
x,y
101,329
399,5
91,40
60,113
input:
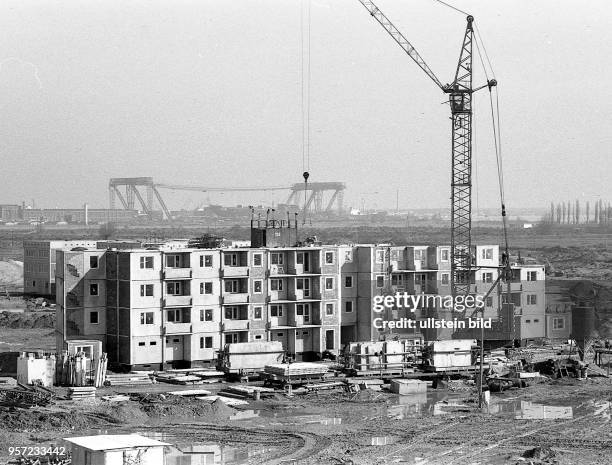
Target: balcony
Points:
x,y
234,271
177,273
238,298
301,294
235,325
278,269
177,328
177,301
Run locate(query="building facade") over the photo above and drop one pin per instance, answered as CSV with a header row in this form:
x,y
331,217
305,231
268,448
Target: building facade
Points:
x,y
161,307
39,264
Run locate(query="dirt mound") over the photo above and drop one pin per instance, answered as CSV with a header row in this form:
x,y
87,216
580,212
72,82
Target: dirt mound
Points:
x,y
32,420
27,320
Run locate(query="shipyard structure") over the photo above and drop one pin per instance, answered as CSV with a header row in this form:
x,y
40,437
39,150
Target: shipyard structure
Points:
x,y
178,305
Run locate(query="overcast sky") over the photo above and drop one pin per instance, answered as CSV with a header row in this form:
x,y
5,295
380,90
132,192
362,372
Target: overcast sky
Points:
x,y
209,93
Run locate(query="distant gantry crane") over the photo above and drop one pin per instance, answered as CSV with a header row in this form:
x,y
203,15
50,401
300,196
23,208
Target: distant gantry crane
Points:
x,y
460,98
142,192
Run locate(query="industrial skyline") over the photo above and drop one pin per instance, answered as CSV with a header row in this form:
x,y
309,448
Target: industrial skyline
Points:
x,y
79,95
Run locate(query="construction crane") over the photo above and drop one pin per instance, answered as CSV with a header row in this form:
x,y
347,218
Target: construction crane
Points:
x,y
459,93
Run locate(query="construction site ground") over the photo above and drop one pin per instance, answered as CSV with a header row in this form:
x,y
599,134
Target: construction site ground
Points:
x,y
367,427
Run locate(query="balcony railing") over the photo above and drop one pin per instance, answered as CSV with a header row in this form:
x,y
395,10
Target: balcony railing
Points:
x,y
177,328
177,273
239,298
235,325
234,271
177,301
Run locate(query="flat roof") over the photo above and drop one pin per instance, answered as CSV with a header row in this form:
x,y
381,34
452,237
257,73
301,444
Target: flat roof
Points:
x,y
114,441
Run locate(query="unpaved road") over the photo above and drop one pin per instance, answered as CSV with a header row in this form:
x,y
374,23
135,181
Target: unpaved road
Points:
x,y
329,428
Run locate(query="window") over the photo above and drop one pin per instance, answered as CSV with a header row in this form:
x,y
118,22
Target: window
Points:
x,y
93,262
173,288
380,281
146,262
329,339
206,260
527,321
141,344
487,254
257,259
257,312
206,288
280,334
558,323
303,310
232,286
276,310
348,256
146,318
445,279
489,301
257,337
329,258
329,309
231,338
300,258
532,299
208,342
230,259
303,284
348,306
173,316
94,318
257,286
276,284
146,290
153,343
380,256
348,281
329,283
487,277
93,289
206,314
532,275
396,279
536,321
232,313
276,259
444,253
173,261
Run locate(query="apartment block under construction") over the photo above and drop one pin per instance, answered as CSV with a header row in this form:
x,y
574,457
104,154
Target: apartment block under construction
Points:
x,y
167,306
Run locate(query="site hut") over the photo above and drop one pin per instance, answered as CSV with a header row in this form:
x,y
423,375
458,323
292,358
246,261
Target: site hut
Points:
x,y
116,450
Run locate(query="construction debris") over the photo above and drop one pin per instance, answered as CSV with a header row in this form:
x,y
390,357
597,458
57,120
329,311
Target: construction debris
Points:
x,y
127,379
79,393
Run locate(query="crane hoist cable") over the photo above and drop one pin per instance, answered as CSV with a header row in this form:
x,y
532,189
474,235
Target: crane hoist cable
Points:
x,y
305,97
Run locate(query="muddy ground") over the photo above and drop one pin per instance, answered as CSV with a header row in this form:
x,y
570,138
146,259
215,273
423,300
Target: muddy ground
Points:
x,y
443,427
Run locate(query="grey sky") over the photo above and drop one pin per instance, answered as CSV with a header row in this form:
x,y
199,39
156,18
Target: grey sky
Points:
x,y
208,93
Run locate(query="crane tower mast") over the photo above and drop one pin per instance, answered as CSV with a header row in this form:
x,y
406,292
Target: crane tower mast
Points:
x,y
460,99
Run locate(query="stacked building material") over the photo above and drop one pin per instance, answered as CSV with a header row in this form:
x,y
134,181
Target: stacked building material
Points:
x,y
296,369
78,393
116,379
99,371
178,379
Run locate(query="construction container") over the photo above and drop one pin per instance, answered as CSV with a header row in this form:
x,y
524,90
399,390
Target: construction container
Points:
x,y
451,354
405,387
34,369
250,357
384,357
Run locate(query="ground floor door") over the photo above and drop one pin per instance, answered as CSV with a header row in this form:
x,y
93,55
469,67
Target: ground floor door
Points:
x,y
174,348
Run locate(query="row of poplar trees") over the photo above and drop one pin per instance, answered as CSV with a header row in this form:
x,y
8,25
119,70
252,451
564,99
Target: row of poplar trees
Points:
x,y
571,213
